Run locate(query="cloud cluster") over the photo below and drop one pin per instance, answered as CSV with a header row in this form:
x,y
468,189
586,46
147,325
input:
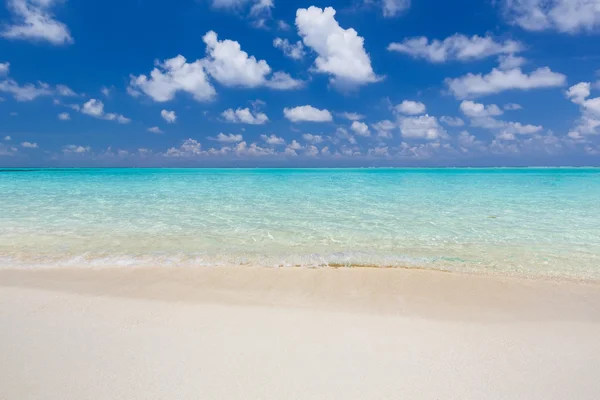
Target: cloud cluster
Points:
x,y
225,62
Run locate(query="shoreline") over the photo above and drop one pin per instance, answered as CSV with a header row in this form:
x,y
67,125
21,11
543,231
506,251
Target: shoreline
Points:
x,y
266,333
372,289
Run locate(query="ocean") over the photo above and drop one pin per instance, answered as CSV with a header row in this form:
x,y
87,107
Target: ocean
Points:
x,y
522,221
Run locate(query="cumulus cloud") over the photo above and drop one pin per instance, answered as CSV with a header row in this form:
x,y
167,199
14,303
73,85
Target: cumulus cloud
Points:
x,y
29,145
172,76
168,116
4,67
456,47
510,61
75,149
7,138
315,139
64,116
384,128
393,8
410,107
189,147
307,113
352,116
567,16
33,20
230,66
29,91
227,138
244,116
283,81
341,52
155,129
422,127
512,107
95,108
360,128
472,109
452,121
589,121
475,85
294,51
272,140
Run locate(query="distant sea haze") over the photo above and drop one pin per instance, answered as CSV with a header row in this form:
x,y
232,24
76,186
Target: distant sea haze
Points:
x,y
525,222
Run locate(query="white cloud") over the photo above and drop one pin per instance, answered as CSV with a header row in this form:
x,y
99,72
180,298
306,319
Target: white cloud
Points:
x,y
172,76
189,147
7,138
230,66
105,91
588,123
155,129
307,113
518,128
384,128
510,61
352,116
33,20
168,116
65,91
292,50
421,127
410,107
472,109
456,47
73,148
29,91
283,81
393,8
341,52
452,121
342,133
95,108
497,81
64,116
309,137
259,7
244,116
282,25
360,128
272,140
29,145
4,67
512,107
568,16
227,138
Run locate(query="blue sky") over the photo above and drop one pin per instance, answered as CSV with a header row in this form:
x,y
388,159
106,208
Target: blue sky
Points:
x,y
285,83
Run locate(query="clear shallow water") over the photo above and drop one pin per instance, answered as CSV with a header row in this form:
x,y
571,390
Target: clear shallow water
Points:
x,y
539,222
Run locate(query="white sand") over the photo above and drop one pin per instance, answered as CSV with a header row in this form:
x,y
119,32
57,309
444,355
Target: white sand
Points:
x,y
252,333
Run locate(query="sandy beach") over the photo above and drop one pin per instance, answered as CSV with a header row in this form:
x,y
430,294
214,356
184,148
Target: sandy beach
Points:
x,y
294,333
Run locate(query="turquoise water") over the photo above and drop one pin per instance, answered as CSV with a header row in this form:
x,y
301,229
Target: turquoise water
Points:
x,y
536,222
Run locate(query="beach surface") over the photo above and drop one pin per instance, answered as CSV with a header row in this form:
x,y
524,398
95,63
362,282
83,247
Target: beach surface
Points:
x,y
294,333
